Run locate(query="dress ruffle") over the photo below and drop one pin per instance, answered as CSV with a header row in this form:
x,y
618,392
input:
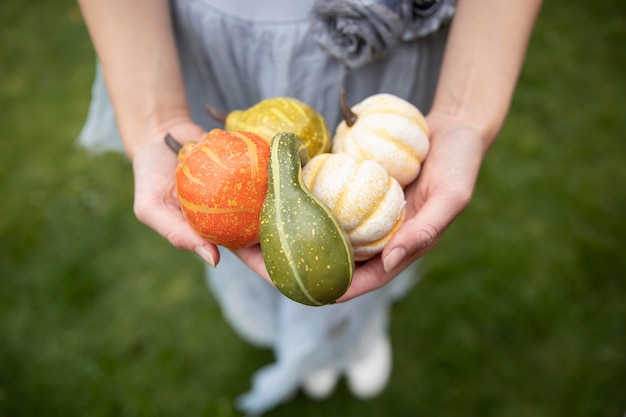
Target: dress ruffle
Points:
x,y
303,338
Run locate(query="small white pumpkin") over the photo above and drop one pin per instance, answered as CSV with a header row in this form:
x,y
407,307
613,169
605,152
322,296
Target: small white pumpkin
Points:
x,y
386,129
368,202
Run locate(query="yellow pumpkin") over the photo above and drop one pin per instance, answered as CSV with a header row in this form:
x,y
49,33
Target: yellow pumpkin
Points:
x,y
368,202
279,114
388,130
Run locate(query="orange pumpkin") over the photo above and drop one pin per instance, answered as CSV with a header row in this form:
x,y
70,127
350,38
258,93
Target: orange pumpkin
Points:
x,y
221,185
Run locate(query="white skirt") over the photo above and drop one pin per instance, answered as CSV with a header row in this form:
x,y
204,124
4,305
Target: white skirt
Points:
x,y
232,61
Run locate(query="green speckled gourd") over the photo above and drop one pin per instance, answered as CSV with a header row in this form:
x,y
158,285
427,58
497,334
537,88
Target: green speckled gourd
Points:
x,y
306,250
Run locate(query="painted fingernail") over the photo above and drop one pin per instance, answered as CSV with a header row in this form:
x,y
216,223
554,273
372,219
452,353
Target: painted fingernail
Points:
x,y
202,252
393,259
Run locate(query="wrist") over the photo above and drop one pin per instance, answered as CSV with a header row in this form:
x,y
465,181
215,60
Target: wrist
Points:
x,y
154,128
444,119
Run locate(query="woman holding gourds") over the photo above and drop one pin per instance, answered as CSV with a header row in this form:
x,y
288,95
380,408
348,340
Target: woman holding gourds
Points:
x,y
161,61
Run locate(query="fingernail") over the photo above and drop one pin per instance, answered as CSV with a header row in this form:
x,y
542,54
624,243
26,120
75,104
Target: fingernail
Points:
x,y
393,259
202,252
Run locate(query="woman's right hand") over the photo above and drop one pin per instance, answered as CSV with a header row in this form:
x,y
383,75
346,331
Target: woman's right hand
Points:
x,y
155,201
135,44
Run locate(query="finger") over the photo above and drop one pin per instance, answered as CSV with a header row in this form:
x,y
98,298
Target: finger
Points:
x,y
168,221
253,258
420,233
367,277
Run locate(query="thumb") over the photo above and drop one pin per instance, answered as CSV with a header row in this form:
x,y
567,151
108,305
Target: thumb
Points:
x,y
169,223
418,234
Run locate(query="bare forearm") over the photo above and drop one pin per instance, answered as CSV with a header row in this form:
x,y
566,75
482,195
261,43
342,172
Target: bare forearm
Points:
x,y
135,45
485,52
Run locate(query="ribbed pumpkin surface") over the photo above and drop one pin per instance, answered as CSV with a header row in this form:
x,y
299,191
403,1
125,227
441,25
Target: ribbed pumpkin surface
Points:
x,y
221,185
283,114
368,202
390,131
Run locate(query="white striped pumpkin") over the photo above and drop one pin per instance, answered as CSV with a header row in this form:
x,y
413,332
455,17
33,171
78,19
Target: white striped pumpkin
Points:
x,y
368,202
388,130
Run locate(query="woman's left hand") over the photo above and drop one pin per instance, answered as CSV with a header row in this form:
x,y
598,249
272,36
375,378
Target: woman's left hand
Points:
x,y
441,192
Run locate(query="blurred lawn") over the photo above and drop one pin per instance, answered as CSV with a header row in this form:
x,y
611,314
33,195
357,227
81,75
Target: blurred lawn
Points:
x,y
521,312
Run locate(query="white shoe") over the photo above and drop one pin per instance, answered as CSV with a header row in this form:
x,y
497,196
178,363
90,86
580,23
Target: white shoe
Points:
x,y
319,384
368,377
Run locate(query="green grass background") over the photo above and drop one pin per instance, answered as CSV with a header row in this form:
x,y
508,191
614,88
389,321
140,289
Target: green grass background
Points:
x,y
521,312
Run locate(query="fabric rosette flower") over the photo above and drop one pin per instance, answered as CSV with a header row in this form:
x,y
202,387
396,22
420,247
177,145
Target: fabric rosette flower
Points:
x,y
423,17
357,32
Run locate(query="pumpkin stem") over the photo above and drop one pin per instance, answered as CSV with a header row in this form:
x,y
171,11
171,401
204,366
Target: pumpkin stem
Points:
x,y
172,143
348,115
215,113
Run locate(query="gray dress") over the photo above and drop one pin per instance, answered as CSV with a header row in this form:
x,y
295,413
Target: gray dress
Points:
x,y
235,53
